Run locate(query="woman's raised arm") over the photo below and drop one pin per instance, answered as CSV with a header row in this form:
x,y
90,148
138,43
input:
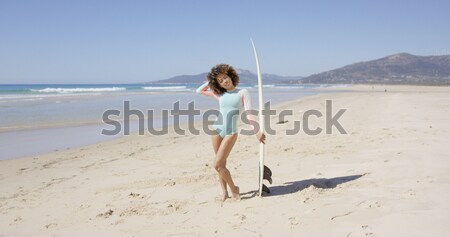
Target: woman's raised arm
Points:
x,y
203,90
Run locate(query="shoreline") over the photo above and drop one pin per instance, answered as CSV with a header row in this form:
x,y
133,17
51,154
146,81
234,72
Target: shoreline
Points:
x,y
30,137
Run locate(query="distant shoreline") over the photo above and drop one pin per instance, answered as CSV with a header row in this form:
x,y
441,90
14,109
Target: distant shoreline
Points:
x,y
42,138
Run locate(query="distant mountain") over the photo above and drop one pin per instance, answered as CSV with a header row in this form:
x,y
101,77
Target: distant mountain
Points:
x,y
400,68
246,77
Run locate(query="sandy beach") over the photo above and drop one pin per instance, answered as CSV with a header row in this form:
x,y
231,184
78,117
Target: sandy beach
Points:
x,y
388,176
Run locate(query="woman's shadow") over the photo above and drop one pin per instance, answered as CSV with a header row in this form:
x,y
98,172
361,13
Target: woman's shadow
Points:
x,y
297,186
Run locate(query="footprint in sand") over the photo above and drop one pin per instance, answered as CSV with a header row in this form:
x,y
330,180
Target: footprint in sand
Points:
x,y
106,214
17,220
288,149
368,231
83,206
293,221
21,170
51,225
132,211
170,183
173,208
369,204
241,217
134,194
411,192
49,164
365,230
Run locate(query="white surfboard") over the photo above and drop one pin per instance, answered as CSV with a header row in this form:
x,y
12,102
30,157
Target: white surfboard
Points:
x,y
264,171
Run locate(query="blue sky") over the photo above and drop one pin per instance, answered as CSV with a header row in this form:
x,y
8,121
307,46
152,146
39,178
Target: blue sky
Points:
x,y
135,41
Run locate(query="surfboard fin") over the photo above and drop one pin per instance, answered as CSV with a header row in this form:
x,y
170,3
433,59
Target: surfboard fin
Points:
x,y
267,170
265,189
267,177
267,174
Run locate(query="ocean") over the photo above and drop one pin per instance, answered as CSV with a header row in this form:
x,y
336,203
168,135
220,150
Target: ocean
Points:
x,y
42,118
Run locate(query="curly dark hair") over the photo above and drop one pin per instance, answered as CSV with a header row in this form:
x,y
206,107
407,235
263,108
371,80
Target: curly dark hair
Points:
x,y
216,71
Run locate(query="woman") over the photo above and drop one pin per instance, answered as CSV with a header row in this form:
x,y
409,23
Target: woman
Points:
x,y
222,82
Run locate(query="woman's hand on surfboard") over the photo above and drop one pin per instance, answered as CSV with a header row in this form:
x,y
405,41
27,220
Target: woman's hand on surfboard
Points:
x,y
261,137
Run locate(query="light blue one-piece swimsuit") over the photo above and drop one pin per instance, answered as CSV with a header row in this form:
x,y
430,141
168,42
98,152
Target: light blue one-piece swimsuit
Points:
x,y
230,103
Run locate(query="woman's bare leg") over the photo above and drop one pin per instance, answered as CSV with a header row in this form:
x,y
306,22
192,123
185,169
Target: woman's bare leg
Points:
x,y
221,161
216,141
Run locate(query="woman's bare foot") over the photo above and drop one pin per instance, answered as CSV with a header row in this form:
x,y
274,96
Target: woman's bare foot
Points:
x,y
236,195
222,198
225,196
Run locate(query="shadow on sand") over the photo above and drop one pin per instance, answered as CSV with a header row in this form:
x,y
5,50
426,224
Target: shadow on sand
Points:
x,y
297,186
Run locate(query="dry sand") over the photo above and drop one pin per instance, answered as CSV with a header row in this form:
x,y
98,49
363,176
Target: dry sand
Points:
x,y
389,176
